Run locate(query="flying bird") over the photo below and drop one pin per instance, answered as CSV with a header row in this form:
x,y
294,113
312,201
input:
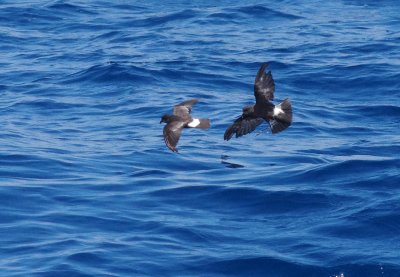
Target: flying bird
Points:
x,y
180,119
279,117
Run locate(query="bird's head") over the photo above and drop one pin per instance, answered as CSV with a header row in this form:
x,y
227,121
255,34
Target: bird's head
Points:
x,y
165,118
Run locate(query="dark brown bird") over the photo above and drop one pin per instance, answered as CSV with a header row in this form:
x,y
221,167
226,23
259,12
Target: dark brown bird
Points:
x,y
180,119
279,117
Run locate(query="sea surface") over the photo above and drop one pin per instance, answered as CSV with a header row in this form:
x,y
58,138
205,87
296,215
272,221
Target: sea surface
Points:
x,y
88,187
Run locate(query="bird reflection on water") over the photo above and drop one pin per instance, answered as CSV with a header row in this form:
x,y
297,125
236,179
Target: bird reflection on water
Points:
x,y
224,161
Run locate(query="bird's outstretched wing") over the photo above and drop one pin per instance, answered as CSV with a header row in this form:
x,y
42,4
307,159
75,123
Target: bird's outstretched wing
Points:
x,y
185,108
264,86
172,132
242,126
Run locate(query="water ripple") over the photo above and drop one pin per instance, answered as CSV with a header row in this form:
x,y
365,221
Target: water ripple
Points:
x,y
88,188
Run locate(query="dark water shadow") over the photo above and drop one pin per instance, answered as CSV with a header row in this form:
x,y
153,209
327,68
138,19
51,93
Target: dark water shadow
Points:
x,y
224,161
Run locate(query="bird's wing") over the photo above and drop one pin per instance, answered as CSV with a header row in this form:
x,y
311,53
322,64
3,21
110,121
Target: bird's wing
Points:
x,y
172,133
185,108
264,86
242,126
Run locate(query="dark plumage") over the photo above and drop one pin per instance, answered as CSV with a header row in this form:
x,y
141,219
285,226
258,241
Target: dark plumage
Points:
x,y
279,117
180,119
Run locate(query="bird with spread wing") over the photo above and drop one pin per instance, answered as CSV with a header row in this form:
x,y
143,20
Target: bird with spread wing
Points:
x,y
279,117
181,118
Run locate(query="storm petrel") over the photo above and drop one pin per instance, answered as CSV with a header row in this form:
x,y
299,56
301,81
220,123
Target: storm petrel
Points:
x,y
180,119
279,116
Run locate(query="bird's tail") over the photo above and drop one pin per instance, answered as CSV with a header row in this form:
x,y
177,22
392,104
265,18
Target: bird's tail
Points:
x,y
203,123
282,117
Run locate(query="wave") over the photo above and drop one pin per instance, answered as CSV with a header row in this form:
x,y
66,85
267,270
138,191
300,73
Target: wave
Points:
x,y
259,10
112,72
269,266
86,179
168,18
245,200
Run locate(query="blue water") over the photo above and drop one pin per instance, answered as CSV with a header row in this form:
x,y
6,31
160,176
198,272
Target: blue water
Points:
x,y
88,187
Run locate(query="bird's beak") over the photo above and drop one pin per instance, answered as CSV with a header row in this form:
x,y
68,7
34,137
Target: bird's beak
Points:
x,y
160,121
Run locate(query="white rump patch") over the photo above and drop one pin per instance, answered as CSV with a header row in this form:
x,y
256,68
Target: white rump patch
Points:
x,y
195,122
278,110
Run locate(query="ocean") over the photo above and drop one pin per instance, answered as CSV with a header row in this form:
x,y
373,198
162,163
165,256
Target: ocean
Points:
x,y
88,187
